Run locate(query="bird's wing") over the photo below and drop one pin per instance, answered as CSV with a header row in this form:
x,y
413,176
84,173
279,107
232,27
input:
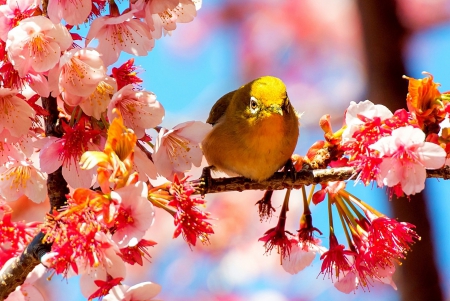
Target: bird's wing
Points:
x,y
219,108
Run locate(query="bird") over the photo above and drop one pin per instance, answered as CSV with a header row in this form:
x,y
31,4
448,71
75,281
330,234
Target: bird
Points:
x,y
255,130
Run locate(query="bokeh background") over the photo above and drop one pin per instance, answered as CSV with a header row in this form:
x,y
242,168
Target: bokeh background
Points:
x,y
320,50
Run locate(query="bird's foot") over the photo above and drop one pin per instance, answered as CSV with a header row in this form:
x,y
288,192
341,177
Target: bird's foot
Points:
x,y
205,180
265,208
289,170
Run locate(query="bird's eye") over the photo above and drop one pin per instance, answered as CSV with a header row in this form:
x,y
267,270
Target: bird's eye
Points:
x,y
253,104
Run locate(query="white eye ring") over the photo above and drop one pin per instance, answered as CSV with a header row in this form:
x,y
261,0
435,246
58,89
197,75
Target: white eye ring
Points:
x,y
253,104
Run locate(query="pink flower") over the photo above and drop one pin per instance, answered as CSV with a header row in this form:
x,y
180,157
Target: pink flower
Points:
x,y
143,165
122,33
163,15
78,74
14,11
19,178
140,109
190,221
406,157
140,292
364,108
96,103
67,151
135,214
330,188
36,44
301,256
74,12
15,113
177,149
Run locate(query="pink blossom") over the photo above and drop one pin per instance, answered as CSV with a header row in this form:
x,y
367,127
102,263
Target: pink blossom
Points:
x,y
19,178
96,103
67,151
163,15
15,113
36,44
135,214
74,12
140,292
14,11
364,108
78,74
140,109
406,157
177,149
302,254
143,165
122,33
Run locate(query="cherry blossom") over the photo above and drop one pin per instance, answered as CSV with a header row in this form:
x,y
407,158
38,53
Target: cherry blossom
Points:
x,y
364,108
406,157
19,178
135,214
140,292
78,74
178,149
73,12
15,113
140,109
36,44
67,151
190,221
120,33
302,254
96,103
126,74
162,16
13,12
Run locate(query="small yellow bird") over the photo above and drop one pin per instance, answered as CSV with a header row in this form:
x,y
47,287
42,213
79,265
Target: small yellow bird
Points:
x,y
255,130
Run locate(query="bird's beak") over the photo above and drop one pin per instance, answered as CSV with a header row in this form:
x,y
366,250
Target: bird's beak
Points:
x,y
276,109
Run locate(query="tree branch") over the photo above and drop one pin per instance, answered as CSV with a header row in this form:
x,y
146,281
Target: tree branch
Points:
x,y
280,180
57,189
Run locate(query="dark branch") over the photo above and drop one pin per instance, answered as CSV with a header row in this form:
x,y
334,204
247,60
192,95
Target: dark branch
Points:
x,y
279,181
57,190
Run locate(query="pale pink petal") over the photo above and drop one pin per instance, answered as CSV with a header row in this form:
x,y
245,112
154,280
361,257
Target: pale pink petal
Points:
x,y
298,259
391,172
195,131
39,84
77,177
74,12
408,136
432,156
87,285
49,155
143,165
15,113
143,291
117,293
347,284
413,179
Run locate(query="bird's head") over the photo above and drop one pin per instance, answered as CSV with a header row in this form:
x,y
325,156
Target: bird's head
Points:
x,y
265,97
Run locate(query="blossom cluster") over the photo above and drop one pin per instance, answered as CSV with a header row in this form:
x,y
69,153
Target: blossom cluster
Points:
x,y
389,149
51,76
